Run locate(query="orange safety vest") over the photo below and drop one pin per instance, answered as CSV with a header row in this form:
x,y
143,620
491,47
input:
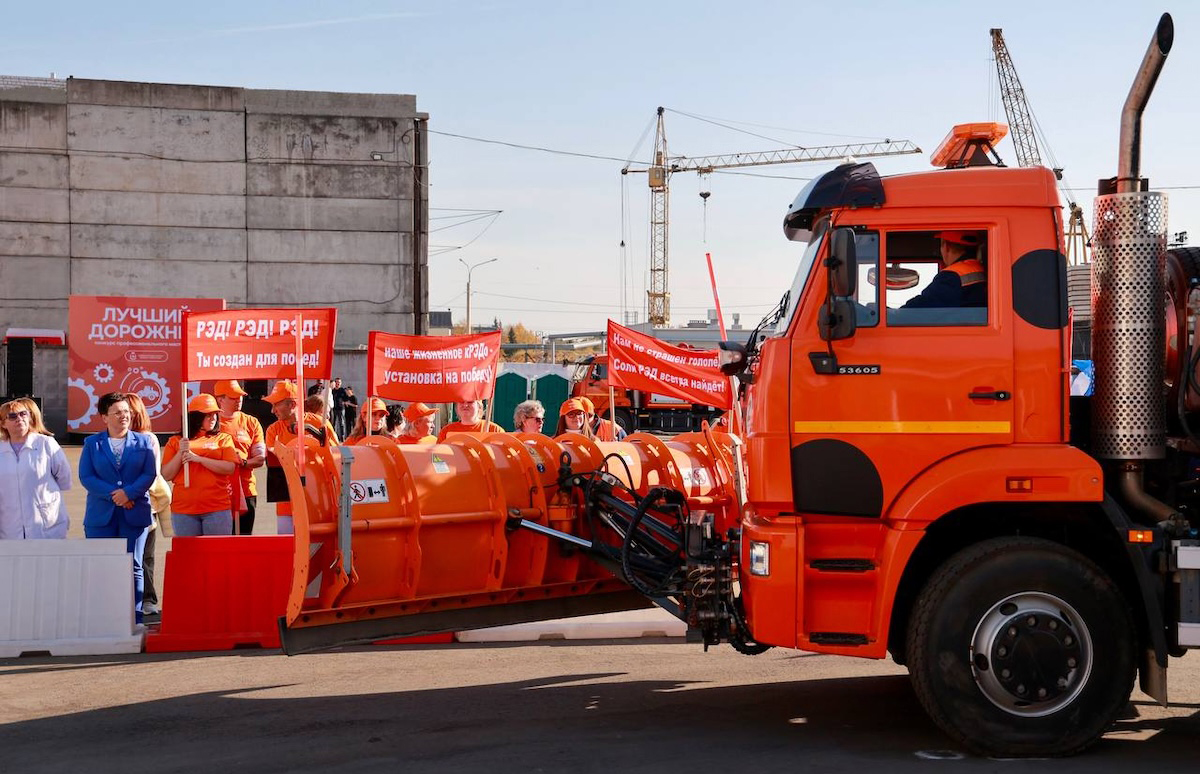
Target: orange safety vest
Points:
x,y
970,271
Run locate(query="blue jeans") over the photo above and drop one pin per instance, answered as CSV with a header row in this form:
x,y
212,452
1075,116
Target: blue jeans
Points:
x,y
135,543
197,524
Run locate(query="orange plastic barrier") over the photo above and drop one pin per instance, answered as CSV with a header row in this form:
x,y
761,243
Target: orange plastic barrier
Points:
x,y
222,593
428,523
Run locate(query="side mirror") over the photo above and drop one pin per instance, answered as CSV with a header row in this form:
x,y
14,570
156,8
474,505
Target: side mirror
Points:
x,y
732,357
842,263
837,321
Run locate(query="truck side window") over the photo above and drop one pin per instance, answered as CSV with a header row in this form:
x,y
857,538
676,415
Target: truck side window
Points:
x,y
866,308
923,292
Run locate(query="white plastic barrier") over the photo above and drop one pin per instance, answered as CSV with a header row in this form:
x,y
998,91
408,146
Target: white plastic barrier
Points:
x,y
67,598
650,622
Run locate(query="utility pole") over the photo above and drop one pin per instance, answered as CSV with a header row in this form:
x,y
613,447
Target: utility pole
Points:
x,y
471,268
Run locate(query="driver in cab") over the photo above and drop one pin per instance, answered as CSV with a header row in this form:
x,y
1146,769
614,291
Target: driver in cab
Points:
x,y
962,282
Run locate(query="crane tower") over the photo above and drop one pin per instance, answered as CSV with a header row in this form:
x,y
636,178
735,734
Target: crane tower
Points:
x,y
658,174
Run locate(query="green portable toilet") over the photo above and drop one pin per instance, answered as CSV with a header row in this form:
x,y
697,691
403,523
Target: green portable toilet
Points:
x,y
511,389
552,390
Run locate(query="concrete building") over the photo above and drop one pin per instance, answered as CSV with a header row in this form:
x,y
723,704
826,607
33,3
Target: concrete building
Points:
x,y
260,197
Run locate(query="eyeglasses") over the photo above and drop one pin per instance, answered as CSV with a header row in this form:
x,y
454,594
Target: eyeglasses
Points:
x,y
119,414
15,415
539,420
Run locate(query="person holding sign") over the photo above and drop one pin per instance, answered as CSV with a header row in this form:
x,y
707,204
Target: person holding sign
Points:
x,y
602,429
200,501
373,416
572,418
419,427
284,400
248,440
470,420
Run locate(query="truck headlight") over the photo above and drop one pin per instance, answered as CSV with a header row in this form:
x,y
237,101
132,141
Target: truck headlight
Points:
x,y
760,558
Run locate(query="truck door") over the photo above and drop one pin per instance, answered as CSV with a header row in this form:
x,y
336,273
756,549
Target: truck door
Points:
x,y
911,387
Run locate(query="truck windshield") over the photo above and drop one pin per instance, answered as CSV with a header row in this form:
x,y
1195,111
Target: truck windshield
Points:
x,y
802,271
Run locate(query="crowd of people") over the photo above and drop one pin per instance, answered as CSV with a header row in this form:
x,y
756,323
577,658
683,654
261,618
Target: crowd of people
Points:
x,y
202,481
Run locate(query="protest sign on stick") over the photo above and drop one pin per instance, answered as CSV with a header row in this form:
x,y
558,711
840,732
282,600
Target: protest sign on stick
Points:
x,y
640,362
432,369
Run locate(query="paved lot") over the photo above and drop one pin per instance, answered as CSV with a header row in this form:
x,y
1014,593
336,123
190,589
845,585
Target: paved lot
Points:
x,y
595,707
641,706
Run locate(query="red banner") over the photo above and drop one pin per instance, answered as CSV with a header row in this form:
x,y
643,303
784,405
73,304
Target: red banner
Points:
x,y
127,344
640,362
258,344
433,369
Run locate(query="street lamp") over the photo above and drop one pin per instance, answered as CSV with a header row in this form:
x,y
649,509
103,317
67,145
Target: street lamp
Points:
x,y
470,268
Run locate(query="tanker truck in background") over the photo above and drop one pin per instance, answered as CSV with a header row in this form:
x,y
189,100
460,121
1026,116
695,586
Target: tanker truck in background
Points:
x,y
911,481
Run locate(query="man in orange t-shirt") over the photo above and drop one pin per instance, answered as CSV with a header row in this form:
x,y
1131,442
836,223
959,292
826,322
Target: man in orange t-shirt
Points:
x,y
248,439
470,420
284,400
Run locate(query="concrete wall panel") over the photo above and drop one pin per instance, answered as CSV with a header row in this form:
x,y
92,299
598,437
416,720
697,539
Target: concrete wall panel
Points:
x,y
377,289
140,244
33,125
33,239
164,95
39,314
122,173
180,135
44,205
34,277
322,138
158,209
183,278
33,170
343,181
331,103
344,248
287,212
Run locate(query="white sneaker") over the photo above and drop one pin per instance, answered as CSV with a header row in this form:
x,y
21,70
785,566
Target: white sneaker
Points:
x,y
151,610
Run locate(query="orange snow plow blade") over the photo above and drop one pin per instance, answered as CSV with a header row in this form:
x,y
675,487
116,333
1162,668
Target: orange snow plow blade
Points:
x,y
430,531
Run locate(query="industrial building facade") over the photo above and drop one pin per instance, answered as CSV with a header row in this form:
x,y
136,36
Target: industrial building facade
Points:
x,y
259,197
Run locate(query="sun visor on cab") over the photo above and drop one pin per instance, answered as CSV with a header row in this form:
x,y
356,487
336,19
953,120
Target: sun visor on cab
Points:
x,y
849,185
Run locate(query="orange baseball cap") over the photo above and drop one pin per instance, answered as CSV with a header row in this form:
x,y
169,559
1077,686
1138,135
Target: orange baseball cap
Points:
x,y
229,388
574,404
283,390
204,403
417,410
373,405
964,238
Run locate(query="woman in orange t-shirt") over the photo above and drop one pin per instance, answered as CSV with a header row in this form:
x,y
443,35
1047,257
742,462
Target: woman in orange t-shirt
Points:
x,y
202,506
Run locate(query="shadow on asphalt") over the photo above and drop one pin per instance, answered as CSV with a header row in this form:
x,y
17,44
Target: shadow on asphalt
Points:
x,y
569,722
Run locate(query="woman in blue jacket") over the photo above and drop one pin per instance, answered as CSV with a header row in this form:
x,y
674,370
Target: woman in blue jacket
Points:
x,y
117,468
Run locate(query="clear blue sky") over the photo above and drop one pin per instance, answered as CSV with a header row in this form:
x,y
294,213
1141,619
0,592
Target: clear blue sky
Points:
x,y
586,77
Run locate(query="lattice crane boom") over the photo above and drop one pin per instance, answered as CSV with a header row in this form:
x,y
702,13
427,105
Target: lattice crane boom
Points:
x,y
658,311
1016,106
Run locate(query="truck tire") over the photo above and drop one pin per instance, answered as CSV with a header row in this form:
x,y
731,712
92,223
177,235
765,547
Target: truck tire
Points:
x,y
624,420
1021,647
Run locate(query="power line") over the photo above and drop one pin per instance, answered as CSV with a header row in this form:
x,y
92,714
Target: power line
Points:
x,y
528,147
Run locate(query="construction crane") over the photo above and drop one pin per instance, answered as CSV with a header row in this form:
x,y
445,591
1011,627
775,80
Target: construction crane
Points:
x,y
1024,139
658,311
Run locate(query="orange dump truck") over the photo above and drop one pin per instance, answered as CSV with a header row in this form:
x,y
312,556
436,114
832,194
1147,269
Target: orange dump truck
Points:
x,y
915,482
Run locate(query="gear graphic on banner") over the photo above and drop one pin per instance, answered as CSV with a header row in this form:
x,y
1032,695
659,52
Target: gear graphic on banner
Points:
x,y
75,423
151,388
103,373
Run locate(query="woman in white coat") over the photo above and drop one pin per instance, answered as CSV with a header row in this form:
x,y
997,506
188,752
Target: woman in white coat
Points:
x,y
33,474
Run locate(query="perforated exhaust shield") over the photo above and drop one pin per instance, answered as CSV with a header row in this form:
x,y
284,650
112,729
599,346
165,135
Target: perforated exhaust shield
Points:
x,y
1128,329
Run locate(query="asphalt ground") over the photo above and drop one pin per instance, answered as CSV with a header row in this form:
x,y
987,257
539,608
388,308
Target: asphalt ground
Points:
x,y
637,705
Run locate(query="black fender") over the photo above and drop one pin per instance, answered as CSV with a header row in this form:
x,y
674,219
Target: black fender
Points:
x,y
1141,561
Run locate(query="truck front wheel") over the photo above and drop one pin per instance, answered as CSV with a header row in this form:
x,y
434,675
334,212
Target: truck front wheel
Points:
x,y
1021,647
